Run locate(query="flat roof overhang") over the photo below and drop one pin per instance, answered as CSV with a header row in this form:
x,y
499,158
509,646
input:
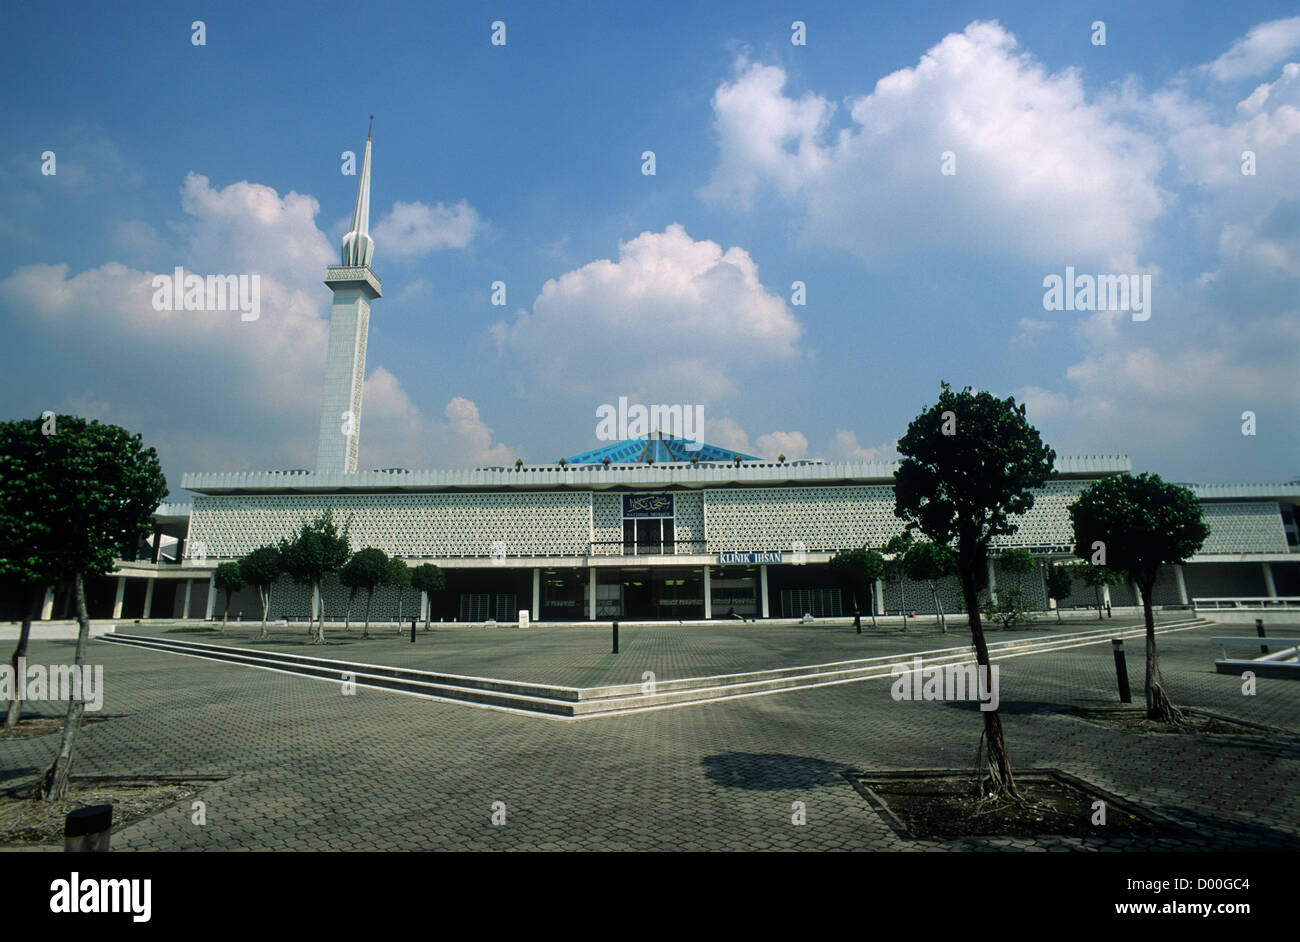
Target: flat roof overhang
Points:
x,y
612,477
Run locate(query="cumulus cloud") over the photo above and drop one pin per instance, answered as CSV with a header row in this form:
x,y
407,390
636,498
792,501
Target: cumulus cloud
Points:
x,y
396,432
791,444
1041,172
1258,51
845,447
210,390
410,230
668,321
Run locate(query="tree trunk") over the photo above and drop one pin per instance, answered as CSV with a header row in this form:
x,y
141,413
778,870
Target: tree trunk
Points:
x,y
320,631
347,619
872,596
1001,782
55,785
938,607
1159,706
14,712
399,611
264,593
226,612
1097,590
365,633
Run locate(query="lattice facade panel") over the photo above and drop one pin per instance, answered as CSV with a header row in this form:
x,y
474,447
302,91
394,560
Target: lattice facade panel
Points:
x,y
821,518
688,523
1244,527
1047,524
607,524
413,526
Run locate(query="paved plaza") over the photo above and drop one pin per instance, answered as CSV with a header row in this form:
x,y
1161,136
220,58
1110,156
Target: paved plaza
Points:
x,y
303,767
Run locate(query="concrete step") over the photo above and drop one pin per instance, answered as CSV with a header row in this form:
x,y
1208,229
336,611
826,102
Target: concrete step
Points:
x,y
561,701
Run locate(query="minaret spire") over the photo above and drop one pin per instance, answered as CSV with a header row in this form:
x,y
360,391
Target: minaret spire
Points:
x,y
358,247
354,286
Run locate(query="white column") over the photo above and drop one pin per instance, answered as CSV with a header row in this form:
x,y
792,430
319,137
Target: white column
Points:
x,y
1105,595
591,615
185,609
117,600
708,592
762,580
212,597
880,596
315,602
148,597
1269,585
1137,592
424,605
47,607
1182,584
993,583
536,613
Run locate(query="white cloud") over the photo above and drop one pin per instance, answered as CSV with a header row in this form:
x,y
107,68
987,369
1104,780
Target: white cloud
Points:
x,y
1259,50
211,391
1042,173
667,322
396,434
410,230
844,447
791,444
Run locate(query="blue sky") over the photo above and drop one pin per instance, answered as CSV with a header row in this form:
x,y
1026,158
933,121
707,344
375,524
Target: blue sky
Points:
x,y
775,163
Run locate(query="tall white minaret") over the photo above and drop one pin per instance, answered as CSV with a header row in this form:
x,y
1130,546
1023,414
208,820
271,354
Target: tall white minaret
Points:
x,y
354,286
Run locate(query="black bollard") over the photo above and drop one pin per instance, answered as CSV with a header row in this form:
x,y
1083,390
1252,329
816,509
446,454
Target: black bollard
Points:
x,y
88,829
615,637
857,620
1121,671
1259,630
412,631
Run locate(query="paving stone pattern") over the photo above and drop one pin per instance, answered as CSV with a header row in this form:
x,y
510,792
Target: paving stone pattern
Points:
x,y
308,768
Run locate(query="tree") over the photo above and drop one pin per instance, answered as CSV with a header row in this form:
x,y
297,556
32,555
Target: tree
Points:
x,y
399,577
1136,524
228,579
96,488
367,569
25,546
896,568
1097,577
260,569
1060,586
969,464
1011,604
930,563
857,571
317,550
429,579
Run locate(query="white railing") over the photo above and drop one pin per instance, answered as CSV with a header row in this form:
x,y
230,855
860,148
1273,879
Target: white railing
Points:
x,y
1248,603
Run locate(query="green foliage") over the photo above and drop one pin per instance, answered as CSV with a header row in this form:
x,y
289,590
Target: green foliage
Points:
x,y
72,500
1142,522
962,488
1018,561
857,570
261,567
1096,576
398,574
428,578
1011,608
1060,582
229,578
929,562
366,569
319,548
